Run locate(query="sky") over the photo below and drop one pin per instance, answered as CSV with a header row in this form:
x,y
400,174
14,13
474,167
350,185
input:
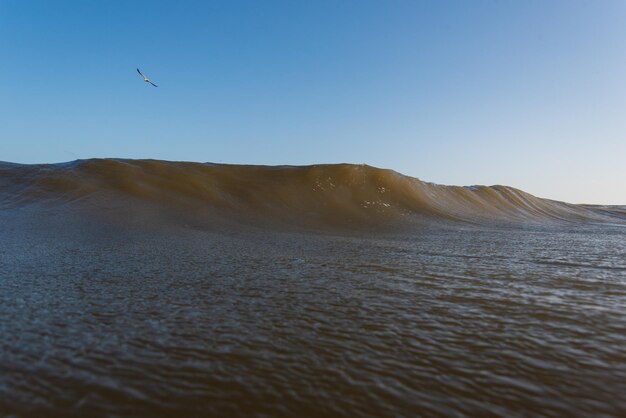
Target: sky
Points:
x,y
529,94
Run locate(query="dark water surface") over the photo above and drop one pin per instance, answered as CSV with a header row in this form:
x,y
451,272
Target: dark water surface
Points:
x,y
439,321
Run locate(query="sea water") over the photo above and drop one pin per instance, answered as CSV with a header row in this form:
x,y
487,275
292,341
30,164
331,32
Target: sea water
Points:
x,y
442,320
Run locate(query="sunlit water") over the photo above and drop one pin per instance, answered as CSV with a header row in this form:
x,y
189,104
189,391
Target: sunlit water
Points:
x,y
187,322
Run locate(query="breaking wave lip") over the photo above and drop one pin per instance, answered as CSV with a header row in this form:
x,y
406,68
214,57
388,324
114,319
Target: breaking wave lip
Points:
x,y
329,194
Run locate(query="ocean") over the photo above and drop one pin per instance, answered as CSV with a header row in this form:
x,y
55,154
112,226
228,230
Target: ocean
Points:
x,y
152,288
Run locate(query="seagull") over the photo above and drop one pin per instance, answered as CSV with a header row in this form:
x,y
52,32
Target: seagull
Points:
x,y
146,78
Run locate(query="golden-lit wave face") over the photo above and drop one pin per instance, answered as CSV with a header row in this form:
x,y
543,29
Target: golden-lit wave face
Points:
x,y
334,195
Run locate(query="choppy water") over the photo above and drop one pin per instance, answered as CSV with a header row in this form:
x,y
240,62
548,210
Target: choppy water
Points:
x,y
438,321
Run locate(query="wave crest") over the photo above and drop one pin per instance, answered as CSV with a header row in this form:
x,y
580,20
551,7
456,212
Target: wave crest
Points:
x,y
331,194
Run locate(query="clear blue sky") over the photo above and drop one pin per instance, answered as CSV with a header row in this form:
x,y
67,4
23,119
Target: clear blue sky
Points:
x,y
530,94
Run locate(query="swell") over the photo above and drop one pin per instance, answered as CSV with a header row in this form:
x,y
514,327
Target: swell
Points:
x,y
338,194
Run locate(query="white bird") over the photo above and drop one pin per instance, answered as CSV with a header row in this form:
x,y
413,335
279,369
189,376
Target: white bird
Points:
x,y
146,78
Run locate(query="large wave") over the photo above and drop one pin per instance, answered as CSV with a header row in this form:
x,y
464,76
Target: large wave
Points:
x,y
337,194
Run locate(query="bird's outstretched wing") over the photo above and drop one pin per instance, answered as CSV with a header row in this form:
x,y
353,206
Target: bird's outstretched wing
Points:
x,y
152,83
140,73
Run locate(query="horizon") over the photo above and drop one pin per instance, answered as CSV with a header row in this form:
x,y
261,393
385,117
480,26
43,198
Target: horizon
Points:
x,y
527,95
